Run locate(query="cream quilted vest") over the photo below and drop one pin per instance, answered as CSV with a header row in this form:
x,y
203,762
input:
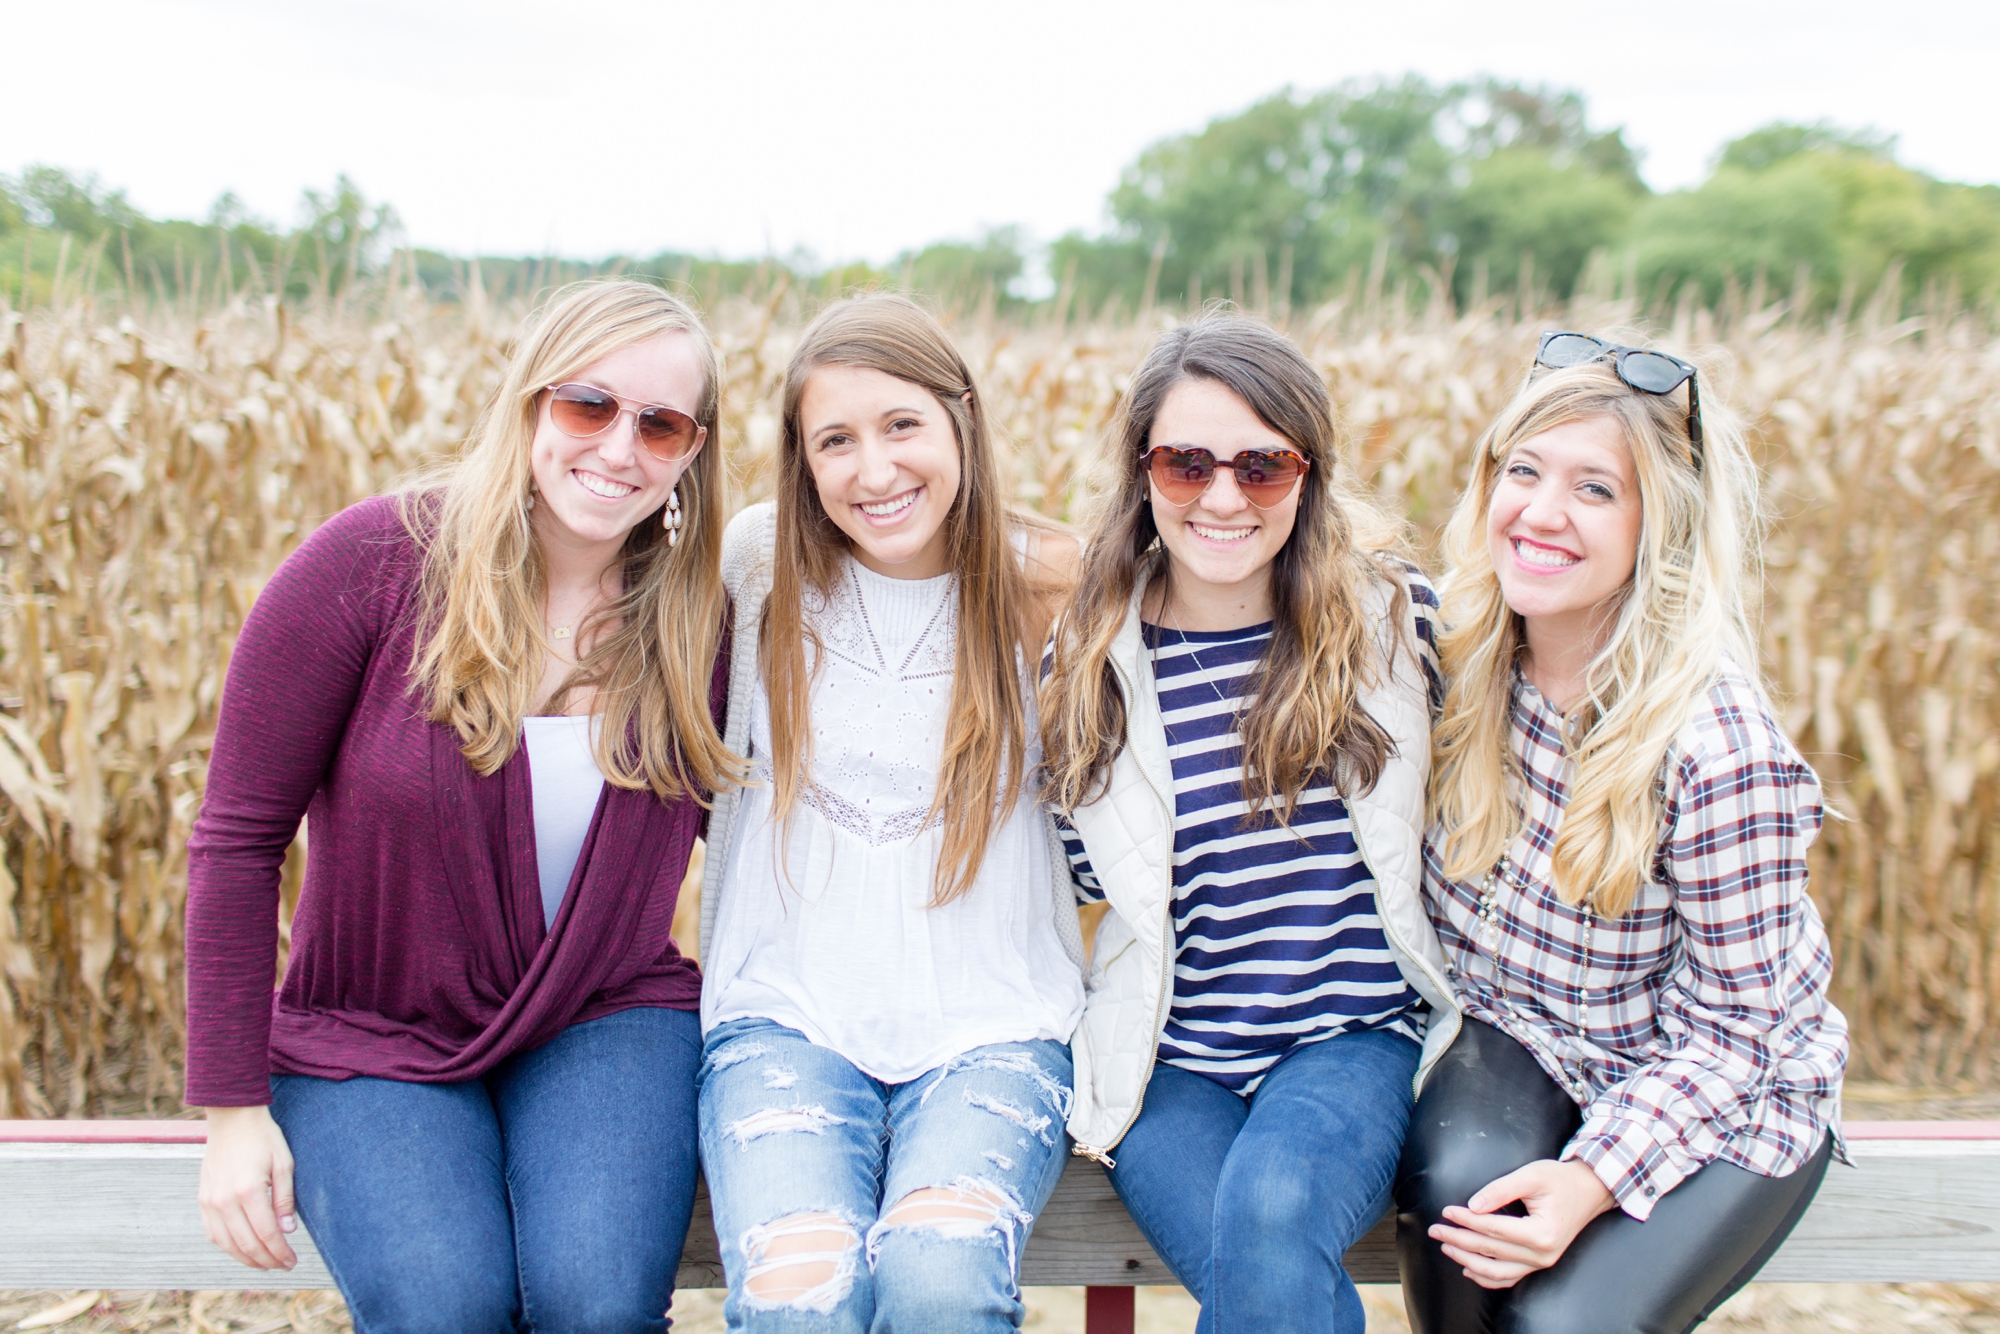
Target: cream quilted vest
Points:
x,y
1129,832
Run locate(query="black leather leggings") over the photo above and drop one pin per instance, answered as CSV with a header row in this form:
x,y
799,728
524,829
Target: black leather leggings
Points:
x,y
1488,1109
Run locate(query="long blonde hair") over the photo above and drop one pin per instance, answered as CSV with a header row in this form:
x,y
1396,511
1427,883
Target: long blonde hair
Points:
x,y
980,772
481,649
1307,721
1684,613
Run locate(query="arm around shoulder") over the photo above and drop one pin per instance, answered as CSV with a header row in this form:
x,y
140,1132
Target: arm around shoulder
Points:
x,y
1052,562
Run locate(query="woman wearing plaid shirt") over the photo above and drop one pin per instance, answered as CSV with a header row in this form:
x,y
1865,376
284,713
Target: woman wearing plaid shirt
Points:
x,y
1643,1098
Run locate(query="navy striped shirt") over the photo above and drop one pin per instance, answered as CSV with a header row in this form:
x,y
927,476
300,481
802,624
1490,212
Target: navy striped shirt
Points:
x,y
1277,941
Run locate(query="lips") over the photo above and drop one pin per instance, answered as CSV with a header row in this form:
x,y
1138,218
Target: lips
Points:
x,y
602,487
894,507
1222,535
1543,557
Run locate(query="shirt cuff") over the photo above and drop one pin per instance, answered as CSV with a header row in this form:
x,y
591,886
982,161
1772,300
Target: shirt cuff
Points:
x,y
1638,1160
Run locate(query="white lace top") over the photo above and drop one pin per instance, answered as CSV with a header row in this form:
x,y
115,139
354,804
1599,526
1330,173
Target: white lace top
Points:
x,y
832,933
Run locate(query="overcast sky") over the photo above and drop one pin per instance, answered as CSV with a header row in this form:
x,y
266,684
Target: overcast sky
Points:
x,y
859,128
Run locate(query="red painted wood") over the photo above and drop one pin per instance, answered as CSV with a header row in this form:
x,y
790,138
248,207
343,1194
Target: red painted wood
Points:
x,y
1108,1311
103,1132
1921,1129
118,1131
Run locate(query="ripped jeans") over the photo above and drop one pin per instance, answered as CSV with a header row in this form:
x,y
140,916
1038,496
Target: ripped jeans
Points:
x,y
846,1204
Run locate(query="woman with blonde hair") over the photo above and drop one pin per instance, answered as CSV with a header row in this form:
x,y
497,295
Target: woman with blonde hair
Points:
x,y
495,702
1643,1098
1235,723
892,957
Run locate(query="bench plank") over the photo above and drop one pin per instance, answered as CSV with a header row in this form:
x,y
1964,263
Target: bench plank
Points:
x,y
119,1211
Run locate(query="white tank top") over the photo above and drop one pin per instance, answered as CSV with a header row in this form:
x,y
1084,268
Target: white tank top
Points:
x,y
832,933
566,786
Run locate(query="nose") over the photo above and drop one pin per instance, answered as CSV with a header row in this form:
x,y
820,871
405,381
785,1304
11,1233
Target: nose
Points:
x,y
618,444
1544,511
874,468
1224,498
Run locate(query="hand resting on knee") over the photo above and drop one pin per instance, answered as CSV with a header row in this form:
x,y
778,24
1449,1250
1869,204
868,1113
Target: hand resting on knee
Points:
x,y
1498,1250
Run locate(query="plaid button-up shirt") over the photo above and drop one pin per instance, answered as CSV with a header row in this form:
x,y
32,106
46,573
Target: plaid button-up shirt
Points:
x,y
1695,1028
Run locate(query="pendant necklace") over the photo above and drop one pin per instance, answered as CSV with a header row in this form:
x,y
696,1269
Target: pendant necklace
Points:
x,y
567,631
1489,905
1167,606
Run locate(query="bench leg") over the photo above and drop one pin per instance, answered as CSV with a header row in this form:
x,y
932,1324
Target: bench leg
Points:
x,y
1108,1311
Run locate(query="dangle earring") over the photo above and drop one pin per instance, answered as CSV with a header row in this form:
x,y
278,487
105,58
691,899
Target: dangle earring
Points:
x,y
670,517
528,505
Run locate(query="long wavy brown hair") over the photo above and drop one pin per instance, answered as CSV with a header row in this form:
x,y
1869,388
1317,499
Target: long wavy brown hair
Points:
x,y
1306,721
999,600
481,649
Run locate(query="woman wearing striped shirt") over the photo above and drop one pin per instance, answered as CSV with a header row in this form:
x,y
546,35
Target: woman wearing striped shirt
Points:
x,y
1617,870
1235,725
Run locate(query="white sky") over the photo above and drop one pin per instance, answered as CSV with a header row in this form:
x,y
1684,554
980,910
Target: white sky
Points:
x,y
855,128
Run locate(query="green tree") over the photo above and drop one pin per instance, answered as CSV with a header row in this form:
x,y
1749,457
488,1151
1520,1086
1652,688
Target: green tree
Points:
x,y
1297,192
1526,204
1834,201
964,272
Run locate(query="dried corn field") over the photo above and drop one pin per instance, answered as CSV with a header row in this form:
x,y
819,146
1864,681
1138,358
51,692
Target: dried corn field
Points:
x,y
158,465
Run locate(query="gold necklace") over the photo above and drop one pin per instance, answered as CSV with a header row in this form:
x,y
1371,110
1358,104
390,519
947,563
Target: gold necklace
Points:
x,y
566,631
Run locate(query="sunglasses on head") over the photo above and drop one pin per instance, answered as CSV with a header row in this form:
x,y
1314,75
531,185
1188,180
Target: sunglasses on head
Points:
x,y
1648,372
1265,477
584,410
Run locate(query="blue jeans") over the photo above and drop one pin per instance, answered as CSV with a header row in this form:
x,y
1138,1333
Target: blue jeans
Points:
x,y
802,1150
553,1194
1253,1202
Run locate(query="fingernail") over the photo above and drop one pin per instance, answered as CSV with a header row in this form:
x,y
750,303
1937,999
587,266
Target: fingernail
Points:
x,y
288,1223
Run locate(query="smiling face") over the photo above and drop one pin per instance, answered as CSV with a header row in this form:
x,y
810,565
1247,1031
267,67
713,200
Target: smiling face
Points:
x,y
1220,546
1563,530
593,490
884,457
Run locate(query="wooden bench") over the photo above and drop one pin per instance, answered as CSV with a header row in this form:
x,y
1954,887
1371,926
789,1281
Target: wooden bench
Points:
x,y
111,1204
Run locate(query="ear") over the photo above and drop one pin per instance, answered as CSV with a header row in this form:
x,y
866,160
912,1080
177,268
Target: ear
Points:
x,y
966,398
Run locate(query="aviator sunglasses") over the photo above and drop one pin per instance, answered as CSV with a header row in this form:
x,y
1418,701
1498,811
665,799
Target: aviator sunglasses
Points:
x,y
1648,372
584,410
1265,477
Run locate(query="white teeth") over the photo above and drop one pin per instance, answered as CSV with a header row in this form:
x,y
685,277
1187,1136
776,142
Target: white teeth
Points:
x,y
883,509
1221,534
603,486
1534,555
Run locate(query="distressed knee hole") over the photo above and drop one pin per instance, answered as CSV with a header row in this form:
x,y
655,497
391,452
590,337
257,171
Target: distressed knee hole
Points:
x,y
969,1209
804,1262
781,1121
978,1205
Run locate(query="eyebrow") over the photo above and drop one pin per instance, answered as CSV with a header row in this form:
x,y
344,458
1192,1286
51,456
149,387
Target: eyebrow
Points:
x,y
1588,469
1286,448
819,431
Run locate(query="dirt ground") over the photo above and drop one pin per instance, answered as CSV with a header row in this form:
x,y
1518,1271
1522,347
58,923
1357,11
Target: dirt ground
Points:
x,y
1773,1308
1762,1308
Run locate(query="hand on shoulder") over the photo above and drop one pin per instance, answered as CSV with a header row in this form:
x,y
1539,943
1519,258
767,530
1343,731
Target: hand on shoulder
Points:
x,y
1052,561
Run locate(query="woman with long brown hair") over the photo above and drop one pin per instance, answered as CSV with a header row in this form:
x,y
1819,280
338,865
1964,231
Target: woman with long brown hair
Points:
x,y
1643,1098
1236,724
891,947
495,702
